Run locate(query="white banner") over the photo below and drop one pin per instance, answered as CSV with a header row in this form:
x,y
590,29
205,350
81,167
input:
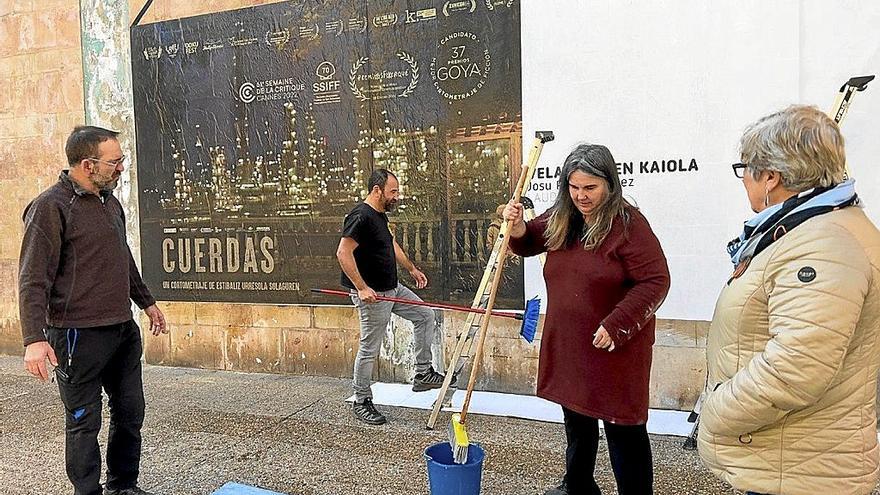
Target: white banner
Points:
x,y
669,86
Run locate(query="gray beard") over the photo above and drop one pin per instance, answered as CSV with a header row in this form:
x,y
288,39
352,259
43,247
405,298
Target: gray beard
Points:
x,y
110,186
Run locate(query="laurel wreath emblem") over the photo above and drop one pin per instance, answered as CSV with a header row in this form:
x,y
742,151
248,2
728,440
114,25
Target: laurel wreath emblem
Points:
x,y
414,80
351,75
404,56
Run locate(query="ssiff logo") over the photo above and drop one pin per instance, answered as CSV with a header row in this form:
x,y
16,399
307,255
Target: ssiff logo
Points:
x,y
327,89
325,71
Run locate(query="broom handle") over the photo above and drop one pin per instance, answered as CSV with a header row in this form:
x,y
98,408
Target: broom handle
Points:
x,y
493,291
426,304
844,99
465,338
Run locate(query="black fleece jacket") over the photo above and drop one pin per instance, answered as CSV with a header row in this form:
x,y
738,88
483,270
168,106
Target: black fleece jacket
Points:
x,y
76,269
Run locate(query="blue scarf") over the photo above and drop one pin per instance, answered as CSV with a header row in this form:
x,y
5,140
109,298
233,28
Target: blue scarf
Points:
x,y
775,221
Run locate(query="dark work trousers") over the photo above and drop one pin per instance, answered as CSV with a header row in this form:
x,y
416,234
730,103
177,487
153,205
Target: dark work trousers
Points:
x,y
628,447
90,359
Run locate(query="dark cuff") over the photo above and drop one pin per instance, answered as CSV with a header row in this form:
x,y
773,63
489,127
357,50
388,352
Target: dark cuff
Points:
x,y
619,333
146,303
30,339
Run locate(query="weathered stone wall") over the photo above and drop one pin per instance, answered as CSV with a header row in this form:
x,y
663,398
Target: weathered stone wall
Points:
x,y
323,341
41,99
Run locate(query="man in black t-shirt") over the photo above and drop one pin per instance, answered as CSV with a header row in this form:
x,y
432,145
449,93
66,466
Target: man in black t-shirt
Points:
x,y
368,255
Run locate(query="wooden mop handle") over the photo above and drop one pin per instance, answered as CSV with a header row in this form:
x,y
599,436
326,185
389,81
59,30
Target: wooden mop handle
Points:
x,y
845,96
844,99
525,173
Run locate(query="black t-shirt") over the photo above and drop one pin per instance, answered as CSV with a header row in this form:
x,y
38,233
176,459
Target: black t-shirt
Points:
x,y
374,255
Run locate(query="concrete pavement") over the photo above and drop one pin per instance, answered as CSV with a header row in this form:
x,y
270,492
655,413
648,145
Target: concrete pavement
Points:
x,y
293,435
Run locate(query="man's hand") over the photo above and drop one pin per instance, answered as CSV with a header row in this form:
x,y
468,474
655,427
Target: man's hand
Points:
x,y
419,277
157,320
367,295
602,340
35,356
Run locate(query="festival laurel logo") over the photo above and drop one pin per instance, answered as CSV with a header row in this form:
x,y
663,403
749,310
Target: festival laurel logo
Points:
x,y
459,6
385,20
396,82
278,38
152,52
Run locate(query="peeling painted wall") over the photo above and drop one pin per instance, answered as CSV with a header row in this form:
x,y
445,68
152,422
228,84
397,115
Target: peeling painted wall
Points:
x,y
106,60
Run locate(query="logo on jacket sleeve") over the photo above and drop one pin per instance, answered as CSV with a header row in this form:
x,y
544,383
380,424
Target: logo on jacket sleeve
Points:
x,y
806,274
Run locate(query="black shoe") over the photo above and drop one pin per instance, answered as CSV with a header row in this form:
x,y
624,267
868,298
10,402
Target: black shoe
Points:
x,y
562,489
366,412
128,491
428,380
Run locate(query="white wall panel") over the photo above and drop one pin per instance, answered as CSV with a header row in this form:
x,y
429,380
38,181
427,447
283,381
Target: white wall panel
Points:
x,y
670,80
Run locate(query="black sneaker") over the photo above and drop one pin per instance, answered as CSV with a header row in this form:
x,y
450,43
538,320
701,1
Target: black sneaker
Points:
x,y
366,412
428,380
128,491
562,489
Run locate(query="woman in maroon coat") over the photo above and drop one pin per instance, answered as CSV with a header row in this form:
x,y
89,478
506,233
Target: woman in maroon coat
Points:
x,y
606,275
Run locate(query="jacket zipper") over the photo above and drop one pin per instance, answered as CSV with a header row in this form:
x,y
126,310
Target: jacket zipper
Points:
x,y
71,345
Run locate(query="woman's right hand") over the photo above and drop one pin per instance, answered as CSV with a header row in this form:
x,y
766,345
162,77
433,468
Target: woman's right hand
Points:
x,y
513,212
602,339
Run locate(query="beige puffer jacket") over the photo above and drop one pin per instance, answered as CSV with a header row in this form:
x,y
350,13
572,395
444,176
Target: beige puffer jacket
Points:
x,y
793,355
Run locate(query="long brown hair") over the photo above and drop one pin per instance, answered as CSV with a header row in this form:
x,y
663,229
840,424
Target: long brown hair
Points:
x,y
566,225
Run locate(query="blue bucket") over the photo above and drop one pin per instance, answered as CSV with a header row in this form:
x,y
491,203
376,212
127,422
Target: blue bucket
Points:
x,y
445,477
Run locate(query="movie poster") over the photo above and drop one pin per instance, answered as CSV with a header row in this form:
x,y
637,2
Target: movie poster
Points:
x,y
258,128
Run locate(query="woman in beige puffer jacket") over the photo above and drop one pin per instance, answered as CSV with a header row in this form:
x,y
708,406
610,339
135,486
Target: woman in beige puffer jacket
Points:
x,y
794,345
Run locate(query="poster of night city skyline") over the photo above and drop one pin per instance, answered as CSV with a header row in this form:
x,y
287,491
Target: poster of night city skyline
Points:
x,y
257,130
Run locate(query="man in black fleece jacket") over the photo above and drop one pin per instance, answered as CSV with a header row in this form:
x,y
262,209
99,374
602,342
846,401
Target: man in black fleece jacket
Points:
x,y
76,280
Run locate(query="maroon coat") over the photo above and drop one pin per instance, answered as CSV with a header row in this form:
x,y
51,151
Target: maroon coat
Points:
x,y
619,285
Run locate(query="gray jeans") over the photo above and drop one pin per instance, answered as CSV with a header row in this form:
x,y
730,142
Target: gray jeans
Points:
x,y
374,320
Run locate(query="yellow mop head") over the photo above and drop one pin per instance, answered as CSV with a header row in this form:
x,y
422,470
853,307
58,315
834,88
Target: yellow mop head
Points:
x,y
458,439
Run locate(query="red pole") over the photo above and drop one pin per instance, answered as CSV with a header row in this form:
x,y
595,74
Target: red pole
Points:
x,y
427,304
